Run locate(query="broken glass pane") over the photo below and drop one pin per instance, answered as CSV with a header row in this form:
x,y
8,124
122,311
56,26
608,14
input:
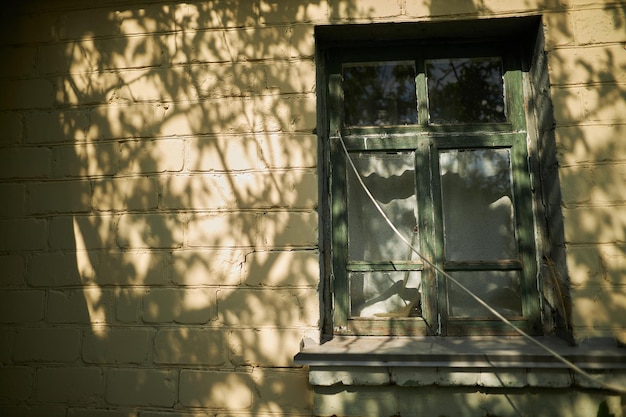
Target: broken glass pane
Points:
x,y
381,93
477,202
385,294
465,90
499,289
390,177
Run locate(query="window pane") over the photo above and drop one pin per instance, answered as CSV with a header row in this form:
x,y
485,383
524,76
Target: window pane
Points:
x,y
390,177
377,94
499,289
477,202
385,294
466,90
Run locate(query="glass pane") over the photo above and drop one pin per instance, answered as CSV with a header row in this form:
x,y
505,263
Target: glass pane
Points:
x,y
499,289
381,93
465,90
477,202
390,177
385,294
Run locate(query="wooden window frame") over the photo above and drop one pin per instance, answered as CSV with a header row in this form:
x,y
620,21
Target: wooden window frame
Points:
x,y
425,140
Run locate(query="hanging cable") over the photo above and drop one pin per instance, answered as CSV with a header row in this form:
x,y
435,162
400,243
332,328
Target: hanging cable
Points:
x,y
571,365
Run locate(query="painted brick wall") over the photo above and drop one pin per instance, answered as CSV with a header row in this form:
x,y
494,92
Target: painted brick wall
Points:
x,y
158,174
159,226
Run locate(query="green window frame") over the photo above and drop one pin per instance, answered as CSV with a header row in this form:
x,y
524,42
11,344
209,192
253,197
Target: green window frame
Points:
x,y
429,145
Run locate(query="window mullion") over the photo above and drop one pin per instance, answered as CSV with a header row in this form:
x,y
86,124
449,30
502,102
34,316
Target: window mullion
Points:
x,y
426,231
422,99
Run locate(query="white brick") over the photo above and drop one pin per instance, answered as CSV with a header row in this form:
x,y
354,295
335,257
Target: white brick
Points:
x,y
16,383
26,94
73,385
129,268
192,16
50,344
89,305
288,229
60,58
138,157
25,162
276,12
111,345
219,80
241,44
599,25
264,347
128,304
13,269
84,160
286,387
368,9
141,387
222,153
602,63
7,336
268,307
228,390
66,232
255,114
222,230
583,144
289,151
21,306
23,410
169,305
190,346
147,18
200,192
282,268
297,190
14,200
59,197
126,121
87,88
102,412
139,193
12,128
604,103
150,231
31,28
206,267
23,61
585,224
94,22
56,126
243,190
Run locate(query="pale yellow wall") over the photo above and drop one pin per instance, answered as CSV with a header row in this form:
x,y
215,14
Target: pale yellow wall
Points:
x,y
158,170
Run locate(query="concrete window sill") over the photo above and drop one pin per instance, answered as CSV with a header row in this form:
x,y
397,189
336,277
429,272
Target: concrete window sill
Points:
x,y
460,361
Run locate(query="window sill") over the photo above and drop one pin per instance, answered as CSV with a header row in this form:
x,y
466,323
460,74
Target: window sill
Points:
x,y
460,361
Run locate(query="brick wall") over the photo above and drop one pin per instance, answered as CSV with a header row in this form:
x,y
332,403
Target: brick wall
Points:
x,y
159,232
158,170
587,62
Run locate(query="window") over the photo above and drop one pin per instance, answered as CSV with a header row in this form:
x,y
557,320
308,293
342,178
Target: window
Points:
x,y
437,133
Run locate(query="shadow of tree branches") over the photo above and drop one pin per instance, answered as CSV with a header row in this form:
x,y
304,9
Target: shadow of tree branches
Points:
x,y
180,201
